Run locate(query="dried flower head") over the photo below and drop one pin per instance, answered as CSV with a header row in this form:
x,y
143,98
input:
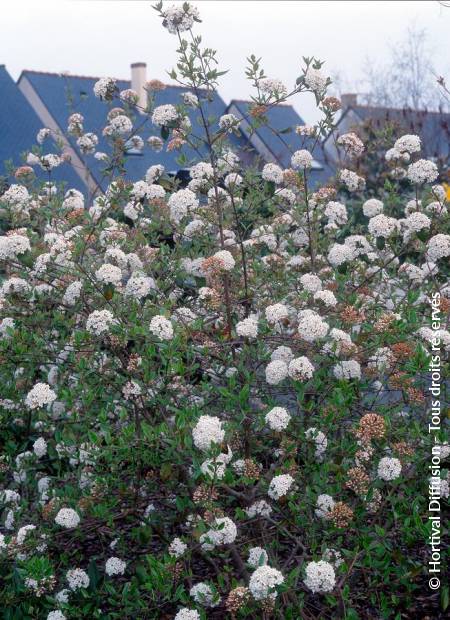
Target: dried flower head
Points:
x,y
341,514
236,599
358,480
371,426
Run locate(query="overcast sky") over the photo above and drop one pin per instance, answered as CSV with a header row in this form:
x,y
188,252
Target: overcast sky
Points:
x,y
102,37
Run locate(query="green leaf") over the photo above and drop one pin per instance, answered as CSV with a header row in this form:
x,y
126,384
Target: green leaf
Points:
x,y
445,597
381,243
94,575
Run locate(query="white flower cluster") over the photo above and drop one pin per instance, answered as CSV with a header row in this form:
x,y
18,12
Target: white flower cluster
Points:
x,y
40,396
75,124
226,258
389,468
109,274
276,313
383,358
327,297
207,431
408,143
325,503
273,86
339,254
120,125
14,285
115,566
222,532
351,143
415,222
319,439
129,96
287,195
50,161
336,212
372,207
276,372
277,418
202,170
351,180
422,171
227,161
228,122
232,180
150,191
438,247
68,518
56,615
16,195
40,447
43,134
347,369
315,80
259,509
311,326
320,577
263,582
77,578
301,159
5,325
247,328
216,467
87,143
396,156
181,203
383,226
105,88
99,321
280,485
161,327
154,173
257,556
187,614
139,286
190,99
272,173
164,115
12,246
300,369
311,282
203,594
177,548
179,17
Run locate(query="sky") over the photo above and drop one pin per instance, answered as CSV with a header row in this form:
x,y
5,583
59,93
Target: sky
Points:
x,y
102,38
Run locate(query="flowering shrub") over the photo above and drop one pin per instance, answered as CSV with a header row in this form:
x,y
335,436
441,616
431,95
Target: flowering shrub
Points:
x,y
214,397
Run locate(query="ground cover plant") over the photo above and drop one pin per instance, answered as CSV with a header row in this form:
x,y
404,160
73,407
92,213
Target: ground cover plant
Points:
x,y
215,396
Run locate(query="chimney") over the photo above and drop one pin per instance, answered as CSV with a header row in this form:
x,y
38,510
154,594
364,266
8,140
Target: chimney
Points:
x,y
349,99
138,81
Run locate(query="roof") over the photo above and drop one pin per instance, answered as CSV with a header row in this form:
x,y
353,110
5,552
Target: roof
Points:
x,y
433,127
60,95
65,94
19,125
280,146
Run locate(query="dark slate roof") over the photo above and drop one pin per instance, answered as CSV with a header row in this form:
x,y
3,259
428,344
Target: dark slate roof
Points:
x,y
64,94
282,117
432,127
19,125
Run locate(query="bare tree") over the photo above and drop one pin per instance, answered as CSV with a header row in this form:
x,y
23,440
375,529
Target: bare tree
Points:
x,y
408,79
